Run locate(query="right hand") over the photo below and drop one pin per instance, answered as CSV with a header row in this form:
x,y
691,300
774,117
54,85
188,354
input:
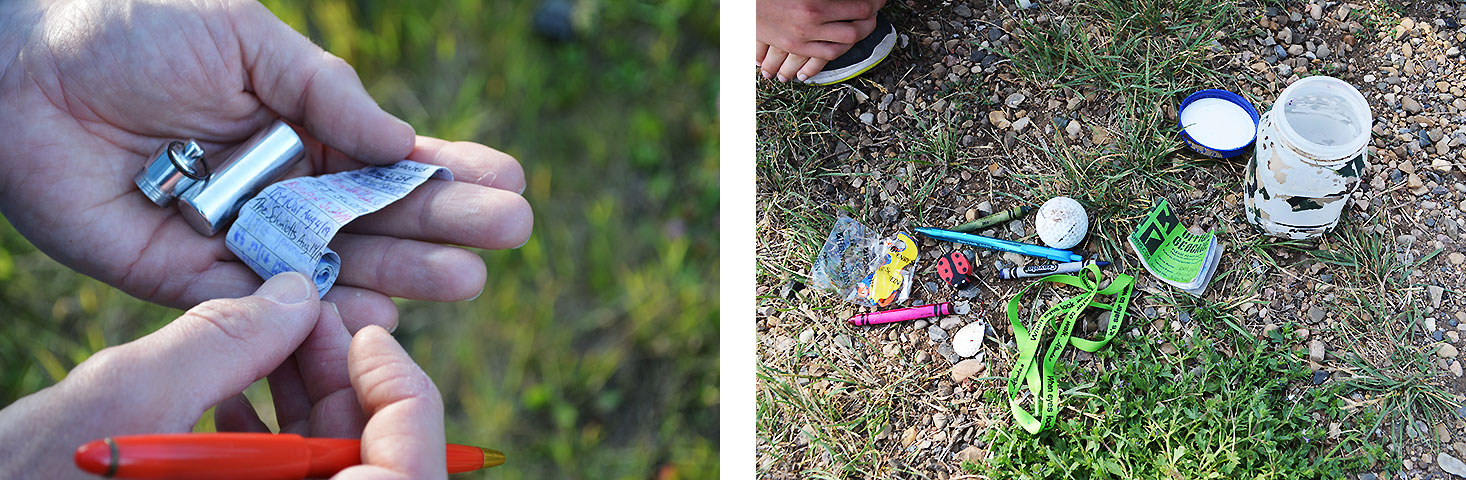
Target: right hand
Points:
x,y
323,382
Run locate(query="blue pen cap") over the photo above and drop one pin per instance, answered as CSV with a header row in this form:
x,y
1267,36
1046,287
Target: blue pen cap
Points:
x,y
1217,123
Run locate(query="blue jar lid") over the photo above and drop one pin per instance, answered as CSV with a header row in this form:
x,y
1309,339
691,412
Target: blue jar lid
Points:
x,y
1212,123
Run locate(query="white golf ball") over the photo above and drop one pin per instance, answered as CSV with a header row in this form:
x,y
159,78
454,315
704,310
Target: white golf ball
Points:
x,y
1062,223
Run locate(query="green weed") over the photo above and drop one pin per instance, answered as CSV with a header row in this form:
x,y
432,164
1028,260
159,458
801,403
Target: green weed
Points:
x,y
1402,392
1199,414
841,407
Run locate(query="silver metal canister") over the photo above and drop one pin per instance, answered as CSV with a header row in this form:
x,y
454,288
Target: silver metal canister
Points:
x,y
210,205
1310,155
173,169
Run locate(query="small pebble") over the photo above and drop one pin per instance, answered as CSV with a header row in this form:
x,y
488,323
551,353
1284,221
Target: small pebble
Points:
x,y
1015,100
936,334
968,341
966,369
1410,105
945,350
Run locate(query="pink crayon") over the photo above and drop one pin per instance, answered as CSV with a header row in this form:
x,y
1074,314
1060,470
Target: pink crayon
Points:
x,y
902,314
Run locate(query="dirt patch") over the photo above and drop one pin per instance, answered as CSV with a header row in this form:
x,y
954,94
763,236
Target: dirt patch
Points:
x,y
985,106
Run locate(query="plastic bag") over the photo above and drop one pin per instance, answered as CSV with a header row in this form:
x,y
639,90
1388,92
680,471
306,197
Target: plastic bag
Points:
x,y
863,268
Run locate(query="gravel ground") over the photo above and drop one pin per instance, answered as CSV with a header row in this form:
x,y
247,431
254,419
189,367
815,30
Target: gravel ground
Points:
x,y
1408,63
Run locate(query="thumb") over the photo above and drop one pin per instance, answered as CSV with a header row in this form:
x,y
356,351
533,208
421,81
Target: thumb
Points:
x,y
317,90
218,348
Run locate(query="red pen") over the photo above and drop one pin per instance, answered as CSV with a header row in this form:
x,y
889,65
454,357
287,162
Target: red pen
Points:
x,y
243,456
902,314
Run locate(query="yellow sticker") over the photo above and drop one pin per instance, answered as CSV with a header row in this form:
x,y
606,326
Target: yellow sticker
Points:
x,y
888,279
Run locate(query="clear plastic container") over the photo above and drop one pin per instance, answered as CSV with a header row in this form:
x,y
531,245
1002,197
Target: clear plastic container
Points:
x,y
1310,156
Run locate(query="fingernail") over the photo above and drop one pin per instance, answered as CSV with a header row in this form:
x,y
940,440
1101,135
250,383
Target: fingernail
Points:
x,y
782,79
766,74
287,288
411,139
480,293
803,78
334,310
405,124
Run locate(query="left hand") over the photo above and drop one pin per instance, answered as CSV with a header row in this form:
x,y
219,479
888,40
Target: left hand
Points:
x,y
97,85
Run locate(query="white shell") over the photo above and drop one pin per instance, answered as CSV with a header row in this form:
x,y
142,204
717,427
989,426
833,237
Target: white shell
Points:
x,y
968,339
1062,222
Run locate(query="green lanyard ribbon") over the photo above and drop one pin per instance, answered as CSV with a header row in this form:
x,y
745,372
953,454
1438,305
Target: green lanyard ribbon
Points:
x,y
1061,317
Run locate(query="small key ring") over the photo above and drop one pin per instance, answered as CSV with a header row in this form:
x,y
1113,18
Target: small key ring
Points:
x,y
188,159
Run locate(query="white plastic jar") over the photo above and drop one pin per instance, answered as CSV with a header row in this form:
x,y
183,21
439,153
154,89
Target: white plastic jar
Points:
x,y
1310,155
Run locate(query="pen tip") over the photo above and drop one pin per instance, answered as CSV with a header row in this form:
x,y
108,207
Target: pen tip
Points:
x,y
492,458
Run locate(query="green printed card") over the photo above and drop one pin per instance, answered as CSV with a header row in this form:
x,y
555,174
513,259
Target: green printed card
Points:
x,y
1173,254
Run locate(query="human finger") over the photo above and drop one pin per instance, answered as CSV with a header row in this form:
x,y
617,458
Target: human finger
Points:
x,y
811,68
821,50
237,415
215,349
863,28
772,62
842,33
454,212
292,406
322,364
360,307
409,268
845,10
404,432
370,472
315,89
471,163
792,65
760,50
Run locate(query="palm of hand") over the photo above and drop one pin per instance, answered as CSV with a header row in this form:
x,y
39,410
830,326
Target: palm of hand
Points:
x,y
98,86
93,105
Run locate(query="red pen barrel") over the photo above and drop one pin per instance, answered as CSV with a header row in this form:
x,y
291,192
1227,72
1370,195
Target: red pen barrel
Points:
x,y
237,456
331,455
243,456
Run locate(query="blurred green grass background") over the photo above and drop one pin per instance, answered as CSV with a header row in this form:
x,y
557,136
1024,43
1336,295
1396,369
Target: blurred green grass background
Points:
x,y
593,353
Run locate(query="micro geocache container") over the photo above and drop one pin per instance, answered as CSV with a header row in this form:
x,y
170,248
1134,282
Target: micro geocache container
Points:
x,y
1217,123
